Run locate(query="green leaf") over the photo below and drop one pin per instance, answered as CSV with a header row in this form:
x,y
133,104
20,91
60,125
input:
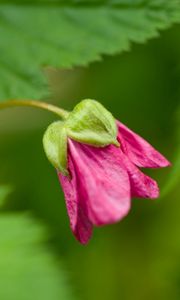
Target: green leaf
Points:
x,y
91,123
28,270
37,33
55,146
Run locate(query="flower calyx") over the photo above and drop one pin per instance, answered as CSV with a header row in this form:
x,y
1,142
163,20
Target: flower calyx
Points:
x,y
89,123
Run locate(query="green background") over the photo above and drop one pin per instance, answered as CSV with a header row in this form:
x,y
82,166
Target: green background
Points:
x,y
138,258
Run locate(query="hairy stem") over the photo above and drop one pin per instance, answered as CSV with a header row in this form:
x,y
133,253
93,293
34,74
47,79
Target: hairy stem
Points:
x,y
43,105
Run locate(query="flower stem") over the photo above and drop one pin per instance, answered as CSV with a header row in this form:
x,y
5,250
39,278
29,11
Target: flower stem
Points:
x,y
43,105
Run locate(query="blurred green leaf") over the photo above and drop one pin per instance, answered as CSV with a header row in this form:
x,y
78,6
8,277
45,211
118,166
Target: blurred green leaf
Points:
x,y
28,271
63,34
5,190
174,178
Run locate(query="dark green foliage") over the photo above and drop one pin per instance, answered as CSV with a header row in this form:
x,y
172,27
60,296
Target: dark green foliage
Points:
x,y
36,34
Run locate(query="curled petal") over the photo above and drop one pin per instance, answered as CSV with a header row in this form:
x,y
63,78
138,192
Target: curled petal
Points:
x,y
142,186
103,183
139,151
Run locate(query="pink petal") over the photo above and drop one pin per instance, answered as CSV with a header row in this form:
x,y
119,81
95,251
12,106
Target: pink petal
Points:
x,y
103,184
139,151
79,222
142,186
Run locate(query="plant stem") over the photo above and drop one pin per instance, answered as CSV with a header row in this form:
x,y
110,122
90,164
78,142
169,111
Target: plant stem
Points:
x,y
43,105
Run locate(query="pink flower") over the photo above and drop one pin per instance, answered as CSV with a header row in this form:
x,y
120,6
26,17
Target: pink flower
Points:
x,y
103,180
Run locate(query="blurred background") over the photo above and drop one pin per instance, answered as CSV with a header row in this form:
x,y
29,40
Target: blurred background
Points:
x,y
138,258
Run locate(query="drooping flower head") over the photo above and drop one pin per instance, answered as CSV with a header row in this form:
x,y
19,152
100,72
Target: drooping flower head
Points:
x,y
98,159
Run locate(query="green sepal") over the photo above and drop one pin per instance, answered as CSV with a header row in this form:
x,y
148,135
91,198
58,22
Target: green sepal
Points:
x,y
91,123
55,146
